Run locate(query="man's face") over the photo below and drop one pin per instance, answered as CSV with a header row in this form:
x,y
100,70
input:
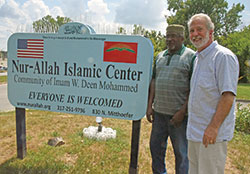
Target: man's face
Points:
x,y
174,42
199,35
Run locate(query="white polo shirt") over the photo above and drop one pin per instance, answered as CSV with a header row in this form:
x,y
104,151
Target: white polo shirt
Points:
x,y
216,70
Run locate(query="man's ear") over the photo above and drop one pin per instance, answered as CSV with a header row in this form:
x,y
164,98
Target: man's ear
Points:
x,y
211,33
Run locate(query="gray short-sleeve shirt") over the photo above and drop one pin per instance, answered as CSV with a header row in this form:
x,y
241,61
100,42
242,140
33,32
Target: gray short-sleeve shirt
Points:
x,y
172,76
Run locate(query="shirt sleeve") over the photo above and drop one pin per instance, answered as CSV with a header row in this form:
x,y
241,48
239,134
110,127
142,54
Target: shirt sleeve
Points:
x,y
154,66
227,73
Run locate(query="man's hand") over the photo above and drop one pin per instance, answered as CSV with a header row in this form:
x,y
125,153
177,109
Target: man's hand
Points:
x,y
150,114
223,108
177,118
210,135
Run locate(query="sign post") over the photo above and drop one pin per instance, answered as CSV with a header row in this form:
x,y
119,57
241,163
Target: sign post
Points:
x,y
136,127
20,133
80,72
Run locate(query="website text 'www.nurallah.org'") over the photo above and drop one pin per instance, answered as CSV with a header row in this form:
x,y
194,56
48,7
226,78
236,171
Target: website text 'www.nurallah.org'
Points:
x,y
34,105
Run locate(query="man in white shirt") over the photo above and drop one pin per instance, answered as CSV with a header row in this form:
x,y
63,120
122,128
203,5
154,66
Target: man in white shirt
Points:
x,y
212,99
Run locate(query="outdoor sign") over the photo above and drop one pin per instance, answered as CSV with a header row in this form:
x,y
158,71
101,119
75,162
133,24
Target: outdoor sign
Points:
x,y
77,71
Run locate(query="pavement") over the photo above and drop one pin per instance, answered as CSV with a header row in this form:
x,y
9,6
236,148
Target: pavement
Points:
x,y
5,105
4,102
3,74
244,103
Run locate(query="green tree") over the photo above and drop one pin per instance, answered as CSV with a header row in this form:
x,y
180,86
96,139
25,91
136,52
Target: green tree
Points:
x,y
158,40
239,43
49,25
225,20
121,30
138,30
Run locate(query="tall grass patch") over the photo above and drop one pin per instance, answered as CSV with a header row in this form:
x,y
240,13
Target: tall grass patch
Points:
x,y
239,147
242,122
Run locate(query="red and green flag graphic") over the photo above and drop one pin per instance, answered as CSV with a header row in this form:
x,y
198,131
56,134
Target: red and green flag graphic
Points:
x,y
122,52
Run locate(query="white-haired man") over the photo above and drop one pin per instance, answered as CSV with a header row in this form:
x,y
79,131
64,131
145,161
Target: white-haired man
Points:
x,y
211,100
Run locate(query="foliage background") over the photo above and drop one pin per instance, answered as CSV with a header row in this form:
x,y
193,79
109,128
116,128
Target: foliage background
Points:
x,y
226,21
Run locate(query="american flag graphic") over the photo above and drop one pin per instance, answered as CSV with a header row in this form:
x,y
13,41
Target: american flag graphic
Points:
x,y
30,48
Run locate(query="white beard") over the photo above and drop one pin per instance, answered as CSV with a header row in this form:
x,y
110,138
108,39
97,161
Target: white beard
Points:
x,y
201,41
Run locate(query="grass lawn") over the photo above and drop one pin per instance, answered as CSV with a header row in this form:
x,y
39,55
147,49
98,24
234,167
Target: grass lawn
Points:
x,y
3,79
243,91
80,155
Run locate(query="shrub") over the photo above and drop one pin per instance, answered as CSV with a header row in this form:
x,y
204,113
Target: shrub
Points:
x,y
242,123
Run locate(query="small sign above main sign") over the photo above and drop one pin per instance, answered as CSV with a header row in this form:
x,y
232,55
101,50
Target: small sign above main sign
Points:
x,y
80,72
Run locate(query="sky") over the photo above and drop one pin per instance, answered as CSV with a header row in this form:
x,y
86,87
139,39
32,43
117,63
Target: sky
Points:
x,y
105,16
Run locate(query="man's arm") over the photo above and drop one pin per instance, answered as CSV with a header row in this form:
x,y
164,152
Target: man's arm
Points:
x,y
179,115
223,108
151,96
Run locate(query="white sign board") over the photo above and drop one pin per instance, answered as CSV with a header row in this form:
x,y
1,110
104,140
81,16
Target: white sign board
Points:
x,y
80,72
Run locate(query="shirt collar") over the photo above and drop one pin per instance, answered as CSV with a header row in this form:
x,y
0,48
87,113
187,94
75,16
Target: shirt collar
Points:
x,y
179,52
207,50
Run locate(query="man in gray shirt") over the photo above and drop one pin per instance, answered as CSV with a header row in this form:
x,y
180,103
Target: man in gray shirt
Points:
x,y
167,103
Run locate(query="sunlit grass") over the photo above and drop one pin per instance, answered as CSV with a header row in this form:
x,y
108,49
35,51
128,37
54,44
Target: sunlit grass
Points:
x,y
78,155
82,155
243,91
238,152
3,79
